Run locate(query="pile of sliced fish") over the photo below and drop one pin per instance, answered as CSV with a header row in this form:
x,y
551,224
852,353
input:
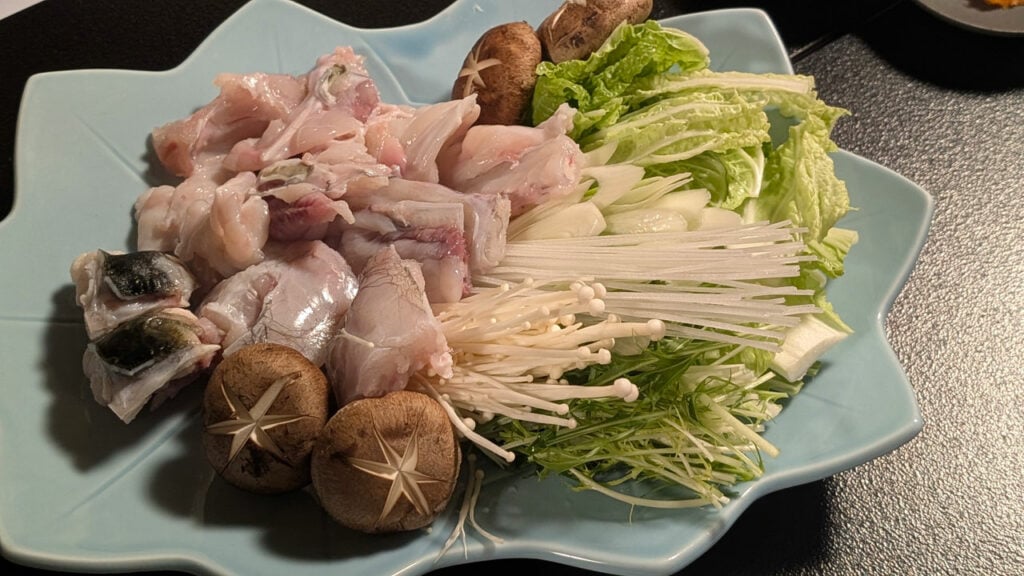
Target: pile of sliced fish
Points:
x,y
311,214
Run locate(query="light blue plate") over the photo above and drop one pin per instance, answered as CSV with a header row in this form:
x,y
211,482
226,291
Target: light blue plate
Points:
x,y
80,491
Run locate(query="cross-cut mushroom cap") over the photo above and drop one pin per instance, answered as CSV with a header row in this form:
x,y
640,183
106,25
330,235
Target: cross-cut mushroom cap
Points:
x,y
263,408
387,464
500,69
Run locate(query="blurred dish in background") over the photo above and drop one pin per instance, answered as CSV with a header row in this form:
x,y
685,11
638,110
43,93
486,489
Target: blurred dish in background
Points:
x,y
979,15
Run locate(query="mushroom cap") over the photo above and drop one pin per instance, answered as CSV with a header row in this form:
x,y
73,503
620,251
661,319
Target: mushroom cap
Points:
x,y
576,30
387,464
500,69
260,447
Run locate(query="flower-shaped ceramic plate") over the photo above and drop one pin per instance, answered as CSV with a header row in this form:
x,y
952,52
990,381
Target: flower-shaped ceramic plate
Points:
x,y
81,491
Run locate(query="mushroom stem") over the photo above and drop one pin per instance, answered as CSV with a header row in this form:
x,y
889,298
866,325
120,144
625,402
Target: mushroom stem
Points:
x,y
512,343
460,425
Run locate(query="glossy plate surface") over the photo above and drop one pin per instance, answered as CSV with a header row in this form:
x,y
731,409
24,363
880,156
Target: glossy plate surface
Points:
x,y
81,491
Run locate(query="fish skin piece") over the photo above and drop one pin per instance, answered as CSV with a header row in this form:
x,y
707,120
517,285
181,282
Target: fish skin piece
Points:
x,y
390,332
297,297
159,351
114,287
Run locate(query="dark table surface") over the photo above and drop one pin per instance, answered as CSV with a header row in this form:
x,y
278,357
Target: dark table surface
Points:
x,y
940,104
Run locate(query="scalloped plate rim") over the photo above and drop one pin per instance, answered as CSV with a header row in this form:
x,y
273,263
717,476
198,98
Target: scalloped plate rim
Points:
x,y
686,553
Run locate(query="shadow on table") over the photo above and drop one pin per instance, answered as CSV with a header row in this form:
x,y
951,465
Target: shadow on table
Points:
x,y
88,433
931,49
290,525
793,521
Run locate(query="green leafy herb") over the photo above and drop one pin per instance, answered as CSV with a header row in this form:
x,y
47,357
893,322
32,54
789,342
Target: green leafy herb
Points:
x,y
694,429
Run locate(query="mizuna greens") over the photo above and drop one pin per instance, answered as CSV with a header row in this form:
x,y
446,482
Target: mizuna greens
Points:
x,y
706,221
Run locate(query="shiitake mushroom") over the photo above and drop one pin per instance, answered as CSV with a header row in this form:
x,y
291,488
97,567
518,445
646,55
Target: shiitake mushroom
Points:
x,y
577,29
501,67
263,408
501,70
387,464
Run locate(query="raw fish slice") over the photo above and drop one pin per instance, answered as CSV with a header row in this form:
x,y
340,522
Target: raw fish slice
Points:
x,y
485,216
381,139
306,195
307,218
488,146
161,211
390,332
332,172
297,297
419,214
340,96
527,165
216,228
227,235
113,287
441,253
246,105
414,141
432,233
143,356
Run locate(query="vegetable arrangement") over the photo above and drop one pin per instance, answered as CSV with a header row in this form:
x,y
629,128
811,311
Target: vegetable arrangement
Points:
x,y
691,224
631,323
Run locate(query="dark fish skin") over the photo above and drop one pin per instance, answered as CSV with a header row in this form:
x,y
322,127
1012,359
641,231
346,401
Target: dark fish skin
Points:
x,y
140,274
143,341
